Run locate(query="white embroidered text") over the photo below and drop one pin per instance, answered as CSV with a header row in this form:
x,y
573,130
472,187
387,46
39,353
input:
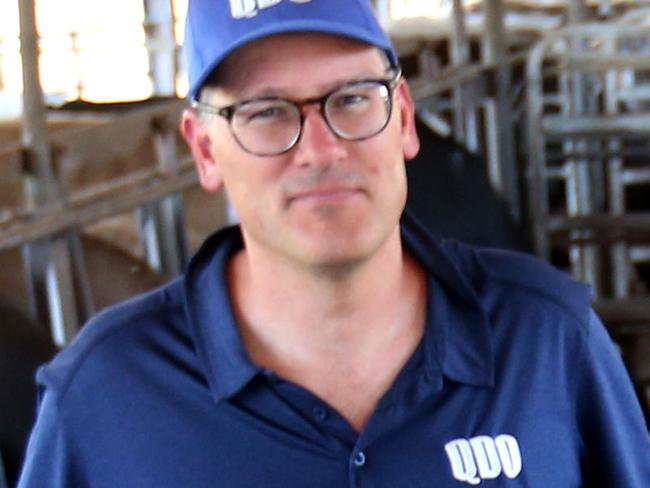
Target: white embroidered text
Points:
x,y
484,458
242,9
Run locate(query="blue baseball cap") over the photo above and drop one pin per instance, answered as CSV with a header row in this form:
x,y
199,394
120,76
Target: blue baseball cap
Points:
x,y
215,28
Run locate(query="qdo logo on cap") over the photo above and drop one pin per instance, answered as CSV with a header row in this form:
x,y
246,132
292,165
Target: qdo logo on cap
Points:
x,y
245,9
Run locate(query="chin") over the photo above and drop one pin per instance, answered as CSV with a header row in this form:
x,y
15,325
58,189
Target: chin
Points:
x,y
344,254
337,268
339,244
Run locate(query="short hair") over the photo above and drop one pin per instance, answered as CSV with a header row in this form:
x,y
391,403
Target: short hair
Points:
x,y
216,78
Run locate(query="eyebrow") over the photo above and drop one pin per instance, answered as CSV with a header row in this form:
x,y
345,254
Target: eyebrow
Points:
x,y
279,92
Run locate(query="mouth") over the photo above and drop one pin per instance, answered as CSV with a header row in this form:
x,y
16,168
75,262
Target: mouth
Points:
x,y
324,196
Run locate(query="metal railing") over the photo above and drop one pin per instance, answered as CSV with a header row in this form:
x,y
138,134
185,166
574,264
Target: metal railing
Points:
x,y
588,123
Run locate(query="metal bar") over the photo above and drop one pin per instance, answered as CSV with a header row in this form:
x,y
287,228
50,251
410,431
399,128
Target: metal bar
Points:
x,y
607,237
559,173
34,133
113,188
36,257
601,222
448,79
460,56
604,30
536,167
159,32
597,126
150,235
162,222
584,259
65,319
581,187
539,51
479,73
637,176
81,280
605,8
618,252
577,12
501,156
165,241
586,62
640,254
41,225
52,276
639,92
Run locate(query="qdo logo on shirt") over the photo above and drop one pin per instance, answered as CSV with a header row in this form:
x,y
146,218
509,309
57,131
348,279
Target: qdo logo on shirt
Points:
x,y
484,458
248,8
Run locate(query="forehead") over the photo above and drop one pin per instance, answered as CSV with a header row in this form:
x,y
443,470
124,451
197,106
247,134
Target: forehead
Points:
x,y
286,59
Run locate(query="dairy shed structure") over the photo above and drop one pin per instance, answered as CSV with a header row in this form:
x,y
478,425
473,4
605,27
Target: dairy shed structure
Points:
x,y
535,125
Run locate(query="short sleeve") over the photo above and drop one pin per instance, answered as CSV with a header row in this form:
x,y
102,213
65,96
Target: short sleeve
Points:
x,y
49,459
615,436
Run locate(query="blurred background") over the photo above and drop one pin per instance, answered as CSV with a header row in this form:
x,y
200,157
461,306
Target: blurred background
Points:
x,y
534,117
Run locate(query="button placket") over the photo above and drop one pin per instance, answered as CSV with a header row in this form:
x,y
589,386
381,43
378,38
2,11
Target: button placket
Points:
x,y
359,459
319,413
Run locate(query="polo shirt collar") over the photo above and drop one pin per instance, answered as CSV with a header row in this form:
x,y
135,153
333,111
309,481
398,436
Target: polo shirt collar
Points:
x,y
458,335
210,311
457,339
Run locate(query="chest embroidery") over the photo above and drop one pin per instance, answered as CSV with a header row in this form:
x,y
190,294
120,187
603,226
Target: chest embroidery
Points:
x,y
484,458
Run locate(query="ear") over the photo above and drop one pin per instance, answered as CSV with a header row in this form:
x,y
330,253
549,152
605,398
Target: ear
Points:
x,y
198,139
406,107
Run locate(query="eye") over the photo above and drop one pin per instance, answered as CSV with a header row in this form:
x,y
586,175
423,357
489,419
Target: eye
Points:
x,y
265,113
262,112
345,100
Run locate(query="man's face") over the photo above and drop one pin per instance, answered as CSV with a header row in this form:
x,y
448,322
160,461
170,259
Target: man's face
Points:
x,y
327,202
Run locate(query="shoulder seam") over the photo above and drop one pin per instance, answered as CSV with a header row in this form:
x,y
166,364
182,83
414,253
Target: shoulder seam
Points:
x,y
538,291
584,321
80,360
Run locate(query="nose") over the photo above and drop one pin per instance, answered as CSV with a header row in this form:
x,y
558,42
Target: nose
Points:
x,y
317,144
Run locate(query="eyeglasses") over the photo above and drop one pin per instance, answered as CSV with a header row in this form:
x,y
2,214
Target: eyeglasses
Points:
x,y
270,126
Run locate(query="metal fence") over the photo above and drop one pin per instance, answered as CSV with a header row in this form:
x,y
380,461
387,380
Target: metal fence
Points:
x,y
588,129
586,113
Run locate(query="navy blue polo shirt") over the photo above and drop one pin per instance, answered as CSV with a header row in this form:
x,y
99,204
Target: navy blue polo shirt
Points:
x,y
515,383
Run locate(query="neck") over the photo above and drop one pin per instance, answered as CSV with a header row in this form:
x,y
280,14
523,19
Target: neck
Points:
x,y
287,304
316,327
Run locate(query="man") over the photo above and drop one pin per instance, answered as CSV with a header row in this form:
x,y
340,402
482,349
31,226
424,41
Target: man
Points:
x,y
321,343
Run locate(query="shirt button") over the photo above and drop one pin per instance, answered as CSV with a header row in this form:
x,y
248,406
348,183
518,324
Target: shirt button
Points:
x,y
320,413
359,459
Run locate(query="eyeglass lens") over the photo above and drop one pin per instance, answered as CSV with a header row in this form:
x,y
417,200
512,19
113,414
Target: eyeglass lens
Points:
x,y
355,111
